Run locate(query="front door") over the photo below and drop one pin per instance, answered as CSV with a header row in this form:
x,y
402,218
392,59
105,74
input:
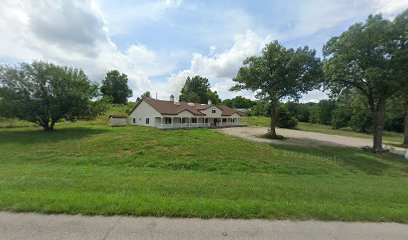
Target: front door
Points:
x,y
215,121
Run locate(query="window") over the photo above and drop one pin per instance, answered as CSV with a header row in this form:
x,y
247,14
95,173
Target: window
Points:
x,y
213,111
134,120
233,120
206,120
147,120
167,120
224,120
183,120
194,120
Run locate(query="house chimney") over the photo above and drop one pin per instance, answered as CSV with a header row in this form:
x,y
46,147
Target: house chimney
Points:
x,y
171,98
209,102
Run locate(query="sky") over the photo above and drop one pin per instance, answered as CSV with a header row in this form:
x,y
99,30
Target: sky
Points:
x,y
159,43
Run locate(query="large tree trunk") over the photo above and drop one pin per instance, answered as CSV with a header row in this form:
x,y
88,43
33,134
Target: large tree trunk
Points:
x,y
46,125
274,120
406,127
378,125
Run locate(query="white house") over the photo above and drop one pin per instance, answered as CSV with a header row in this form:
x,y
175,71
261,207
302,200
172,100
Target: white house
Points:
x,y
170,114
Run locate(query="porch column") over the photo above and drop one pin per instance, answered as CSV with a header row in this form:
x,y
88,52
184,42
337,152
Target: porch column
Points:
x,y
189,122
172,122
161,122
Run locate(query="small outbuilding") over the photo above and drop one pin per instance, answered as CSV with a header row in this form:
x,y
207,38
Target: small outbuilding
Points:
x,y
118,120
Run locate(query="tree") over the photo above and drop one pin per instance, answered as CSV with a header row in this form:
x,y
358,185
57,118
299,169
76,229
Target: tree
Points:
x,y
279,73
397,113
323,111
406,122
213,96
146,95
44,93
361,118
196,90
261,108
369,58
238,102
342,112
115,87
285,120
400,62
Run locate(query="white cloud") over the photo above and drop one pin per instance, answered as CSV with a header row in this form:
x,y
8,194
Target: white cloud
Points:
x,y
220,68
126,16
390,8
72,33
78,33
173,3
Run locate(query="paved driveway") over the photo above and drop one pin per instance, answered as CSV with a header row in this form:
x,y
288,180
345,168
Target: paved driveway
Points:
x,y
29,226
298,137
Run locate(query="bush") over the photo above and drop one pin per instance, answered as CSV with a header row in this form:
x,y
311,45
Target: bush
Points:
x,y
285,120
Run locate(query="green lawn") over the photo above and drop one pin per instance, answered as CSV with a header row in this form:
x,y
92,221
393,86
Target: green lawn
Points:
x,y
388,136
194,173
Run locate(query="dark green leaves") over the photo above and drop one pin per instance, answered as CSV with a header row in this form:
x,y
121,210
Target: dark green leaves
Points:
x,y
44,93
280,72
115,87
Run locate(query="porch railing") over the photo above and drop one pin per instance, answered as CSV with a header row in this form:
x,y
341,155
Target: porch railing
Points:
x,y
198,125
183,125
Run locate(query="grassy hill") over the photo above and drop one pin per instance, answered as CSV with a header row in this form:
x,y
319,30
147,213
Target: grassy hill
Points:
x,y
112,109
95,169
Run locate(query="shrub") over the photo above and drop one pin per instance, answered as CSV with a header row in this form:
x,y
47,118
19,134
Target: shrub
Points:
x,y
285,120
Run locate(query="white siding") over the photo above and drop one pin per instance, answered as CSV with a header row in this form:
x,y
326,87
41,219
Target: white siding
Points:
x,y
235,115
143,111
185,113
208,112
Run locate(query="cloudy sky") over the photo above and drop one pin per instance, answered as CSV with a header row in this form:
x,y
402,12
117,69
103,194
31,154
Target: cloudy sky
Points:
x,y
158,43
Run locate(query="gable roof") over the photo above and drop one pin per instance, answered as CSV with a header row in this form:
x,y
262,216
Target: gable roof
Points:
x,y
170,108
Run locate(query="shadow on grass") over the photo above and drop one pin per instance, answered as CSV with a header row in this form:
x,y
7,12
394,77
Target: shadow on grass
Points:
x,y
38,135
354,159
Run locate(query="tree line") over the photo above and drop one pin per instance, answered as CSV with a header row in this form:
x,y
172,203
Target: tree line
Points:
x,y
369,59
364,68
45,93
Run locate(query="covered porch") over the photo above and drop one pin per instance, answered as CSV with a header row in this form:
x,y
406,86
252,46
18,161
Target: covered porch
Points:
x,y
171,122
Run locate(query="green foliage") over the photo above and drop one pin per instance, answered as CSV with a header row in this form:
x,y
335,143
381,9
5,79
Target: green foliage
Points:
x,y
239,102
310,127
343,111
322,112
300,111
213,96
261,108
146,95
370,58
44,94
285,120
279,73
115,87
197,90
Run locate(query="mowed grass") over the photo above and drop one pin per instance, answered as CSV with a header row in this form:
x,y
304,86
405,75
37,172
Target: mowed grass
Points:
x,y
310,127
194,173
